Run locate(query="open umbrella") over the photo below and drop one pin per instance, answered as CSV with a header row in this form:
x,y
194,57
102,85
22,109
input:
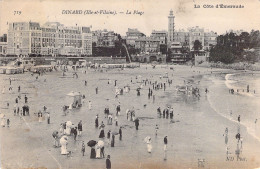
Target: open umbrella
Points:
x,y
115,133
136,120
101,143
92,143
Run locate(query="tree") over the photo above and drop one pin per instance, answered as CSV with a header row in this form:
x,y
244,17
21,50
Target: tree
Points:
x,y
197,45
222,54
231,47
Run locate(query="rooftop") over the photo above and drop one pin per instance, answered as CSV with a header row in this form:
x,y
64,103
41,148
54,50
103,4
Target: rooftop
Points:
x,y
147,39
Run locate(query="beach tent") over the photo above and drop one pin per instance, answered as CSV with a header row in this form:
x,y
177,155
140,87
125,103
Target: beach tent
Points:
x,y
74,99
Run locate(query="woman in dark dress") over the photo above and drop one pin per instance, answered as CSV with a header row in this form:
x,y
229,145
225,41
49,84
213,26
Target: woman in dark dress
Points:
x,y
102,133
93,153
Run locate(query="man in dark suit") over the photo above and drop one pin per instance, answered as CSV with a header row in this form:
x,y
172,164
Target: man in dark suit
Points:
x,y
120,133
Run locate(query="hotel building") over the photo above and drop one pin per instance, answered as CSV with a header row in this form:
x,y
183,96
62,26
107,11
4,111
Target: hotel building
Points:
x,y
51,39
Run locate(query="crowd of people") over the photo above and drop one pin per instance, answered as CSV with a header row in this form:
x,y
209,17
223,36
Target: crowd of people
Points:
x,y
112,117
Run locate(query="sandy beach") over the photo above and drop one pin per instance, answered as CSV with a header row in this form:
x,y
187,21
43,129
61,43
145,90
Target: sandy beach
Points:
x,y
195,133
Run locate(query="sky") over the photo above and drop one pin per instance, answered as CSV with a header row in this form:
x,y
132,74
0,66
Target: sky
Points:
x,y
155,16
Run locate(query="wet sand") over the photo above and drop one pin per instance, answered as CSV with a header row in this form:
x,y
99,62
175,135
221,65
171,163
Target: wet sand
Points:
x,y
197,132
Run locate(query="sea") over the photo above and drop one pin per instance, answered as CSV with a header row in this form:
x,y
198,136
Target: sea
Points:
x,y
243,103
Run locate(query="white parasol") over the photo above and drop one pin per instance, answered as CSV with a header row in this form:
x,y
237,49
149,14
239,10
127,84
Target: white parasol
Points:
x,y
100,143
146,139
69,123
63,140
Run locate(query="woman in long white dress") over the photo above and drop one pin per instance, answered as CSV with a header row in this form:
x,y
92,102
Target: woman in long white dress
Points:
x,y
68,128
3,122
149,145
63,143
98,152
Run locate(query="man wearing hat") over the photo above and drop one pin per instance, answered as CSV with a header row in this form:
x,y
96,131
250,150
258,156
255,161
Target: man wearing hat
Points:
x,y
120,133
165,142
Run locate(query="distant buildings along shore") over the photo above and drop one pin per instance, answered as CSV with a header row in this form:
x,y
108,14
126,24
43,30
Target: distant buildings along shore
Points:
x,y
55,39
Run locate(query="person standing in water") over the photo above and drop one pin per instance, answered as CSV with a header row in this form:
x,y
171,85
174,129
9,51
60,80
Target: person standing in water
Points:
x,y
48,118
226,136
238,119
